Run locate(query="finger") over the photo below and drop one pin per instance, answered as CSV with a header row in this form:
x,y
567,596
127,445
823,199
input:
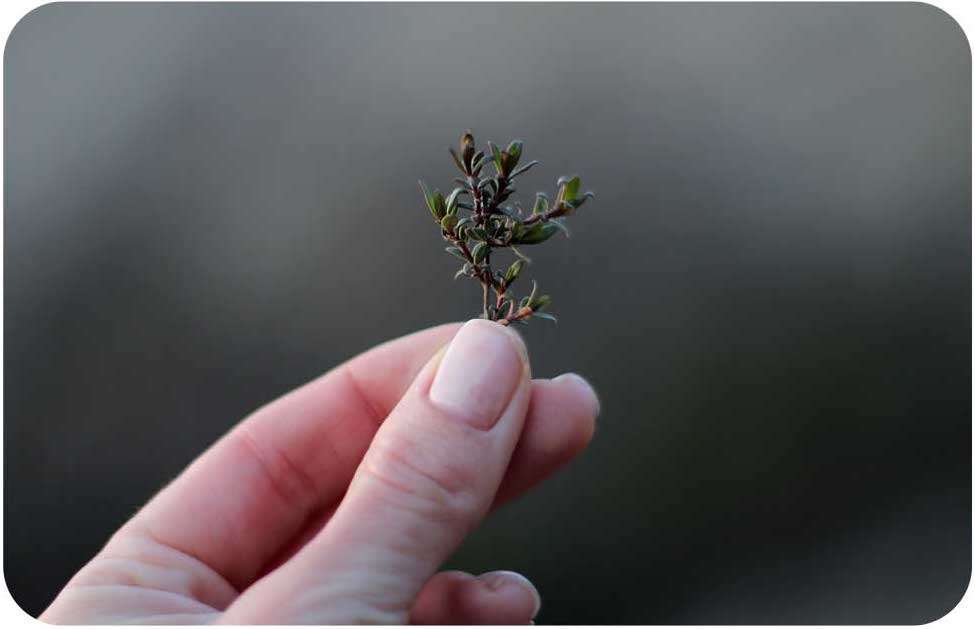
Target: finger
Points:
x,y
560,424
493,598
429,476
253,490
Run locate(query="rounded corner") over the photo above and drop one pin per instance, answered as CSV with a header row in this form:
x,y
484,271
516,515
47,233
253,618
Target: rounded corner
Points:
x,y
13,599
964,592
24,18
944,15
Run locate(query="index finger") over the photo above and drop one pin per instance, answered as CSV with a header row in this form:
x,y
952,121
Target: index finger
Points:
x,y
253,490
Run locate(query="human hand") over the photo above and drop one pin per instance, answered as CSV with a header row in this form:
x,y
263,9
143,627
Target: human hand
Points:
x,y
337,503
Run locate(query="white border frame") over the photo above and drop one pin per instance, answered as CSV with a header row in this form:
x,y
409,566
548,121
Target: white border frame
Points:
x,y
11,615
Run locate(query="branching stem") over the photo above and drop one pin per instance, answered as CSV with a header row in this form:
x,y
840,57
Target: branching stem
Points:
x,y
491,225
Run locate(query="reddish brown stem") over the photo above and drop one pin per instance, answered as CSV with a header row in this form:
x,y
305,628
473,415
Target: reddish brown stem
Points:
x,y
534,218
522,313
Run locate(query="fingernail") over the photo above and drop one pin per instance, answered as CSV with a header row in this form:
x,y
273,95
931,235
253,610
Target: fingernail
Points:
x,y
583,385
498,578
479,373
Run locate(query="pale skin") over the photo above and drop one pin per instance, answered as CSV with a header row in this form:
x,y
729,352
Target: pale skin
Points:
x,y
339,502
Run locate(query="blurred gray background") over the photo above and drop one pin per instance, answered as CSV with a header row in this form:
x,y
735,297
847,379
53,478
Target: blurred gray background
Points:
x,y
207,205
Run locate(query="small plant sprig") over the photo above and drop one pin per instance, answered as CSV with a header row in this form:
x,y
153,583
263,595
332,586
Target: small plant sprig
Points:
x,y
489,223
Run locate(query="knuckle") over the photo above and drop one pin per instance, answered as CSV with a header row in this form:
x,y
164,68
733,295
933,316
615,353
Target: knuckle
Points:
x,y
435,486
286,478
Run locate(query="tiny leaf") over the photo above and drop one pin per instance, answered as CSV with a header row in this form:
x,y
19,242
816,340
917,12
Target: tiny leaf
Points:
x,y
460,166
439,203
537,233
561,226
431,204
539,303
494,222
522,169
513,271
467,148
449,222
496,154
531,296
514,151
541,203
480,252
451,202
569,189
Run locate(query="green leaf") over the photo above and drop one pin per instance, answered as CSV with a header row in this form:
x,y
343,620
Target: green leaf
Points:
x,y
439,203
455,251
537,233
496,154
577,203
513,271
561,226
506,164
460,166
495,224
467,147
464,270
541,203
522,169
451,202
448,222
467,151
545,315
514,151
539,303
569,188
428,197
480,252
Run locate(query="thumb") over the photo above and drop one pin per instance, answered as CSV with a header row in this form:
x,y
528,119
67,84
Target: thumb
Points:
x,y
428,478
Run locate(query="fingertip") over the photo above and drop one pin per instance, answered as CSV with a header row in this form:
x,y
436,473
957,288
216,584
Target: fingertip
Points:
x,y
563,420
583,388
500,597
499,580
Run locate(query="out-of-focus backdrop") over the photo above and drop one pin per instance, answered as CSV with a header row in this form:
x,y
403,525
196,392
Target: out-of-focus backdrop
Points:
x,y
207,205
